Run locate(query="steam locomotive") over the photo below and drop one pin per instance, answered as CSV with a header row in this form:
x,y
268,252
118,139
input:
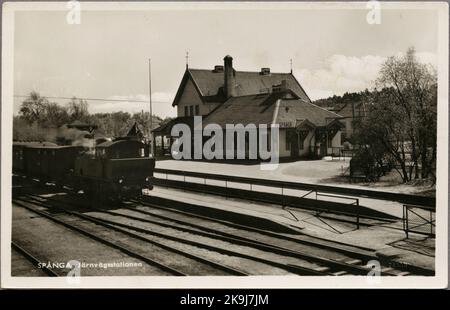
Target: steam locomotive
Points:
x,y
115,170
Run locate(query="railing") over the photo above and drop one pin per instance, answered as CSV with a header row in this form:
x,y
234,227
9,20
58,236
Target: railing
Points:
x,y
355,202
402,198
316,205
419,220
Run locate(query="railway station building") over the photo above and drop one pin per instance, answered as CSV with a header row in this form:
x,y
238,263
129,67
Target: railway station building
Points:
x,y
222,95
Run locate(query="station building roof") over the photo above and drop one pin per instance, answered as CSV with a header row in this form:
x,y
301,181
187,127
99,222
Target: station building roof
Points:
x,y
284,109
209,84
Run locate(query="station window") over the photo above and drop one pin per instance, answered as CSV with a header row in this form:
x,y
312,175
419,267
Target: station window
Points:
x,y
197,110
191,110
186,110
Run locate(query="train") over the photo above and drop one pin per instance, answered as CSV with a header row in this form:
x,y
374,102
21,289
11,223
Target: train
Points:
x,y
111,170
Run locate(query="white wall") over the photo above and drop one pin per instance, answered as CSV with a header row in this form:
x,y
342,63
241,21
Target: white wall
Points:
x,y
190,97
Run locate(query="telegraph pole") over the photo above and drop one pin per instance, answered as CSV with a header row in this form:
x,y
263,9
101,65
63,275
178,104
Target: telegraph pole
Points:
x,y
150,102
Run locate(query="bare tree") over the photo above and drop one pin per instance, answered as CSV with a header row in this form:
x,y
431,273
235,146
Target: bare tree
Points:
x,y
78,109
402,116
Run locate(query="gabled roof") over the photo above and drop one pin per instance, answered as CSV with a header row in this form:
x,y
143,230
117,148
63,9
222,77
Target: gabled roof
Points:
x,y
351,109
209,84
135,131
268,108
167,127
304,123
291,111
250,109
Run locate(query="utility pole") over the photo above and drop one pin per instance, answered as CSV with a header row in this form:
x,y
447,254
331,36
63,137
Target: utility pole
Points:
x,y
150,101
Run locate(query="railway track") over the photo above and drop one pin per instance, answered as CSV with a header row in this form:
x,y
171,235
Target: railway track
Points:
x,y
356,252
37,207
353,252
142,234
345,260
36,262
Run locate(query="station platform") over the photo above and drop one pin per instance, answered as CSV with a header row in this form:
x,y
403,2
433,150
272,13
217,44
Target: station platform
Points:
x,y
320,172
385,239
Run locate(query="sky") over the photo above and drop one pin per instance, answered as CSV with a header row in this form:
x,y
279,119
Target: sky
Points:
x,y
106,55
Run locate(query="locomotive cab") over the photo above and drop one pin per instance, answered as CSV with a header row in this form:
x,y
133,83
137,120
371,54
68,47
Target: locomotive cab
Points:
x,y
117,169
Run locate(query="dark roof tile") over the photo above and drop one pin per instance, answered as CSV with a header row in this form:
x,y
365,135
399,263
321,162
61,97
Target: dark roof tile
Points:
x,y
251,109
262,109
295,111
209,82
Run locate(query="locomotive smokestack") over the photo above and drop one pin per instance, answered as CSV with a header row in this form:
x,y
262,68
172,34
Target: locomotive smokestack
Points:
x,y
229,77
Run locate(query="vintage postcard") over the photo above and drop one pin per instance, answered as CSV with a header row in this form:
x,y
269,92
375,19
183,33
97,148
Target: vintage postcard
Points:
x,y
224,145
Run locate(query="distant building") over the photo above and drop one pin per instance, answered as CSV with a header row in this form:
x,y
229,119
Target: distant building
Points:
x,y
135,132
82,126
351,112
223,96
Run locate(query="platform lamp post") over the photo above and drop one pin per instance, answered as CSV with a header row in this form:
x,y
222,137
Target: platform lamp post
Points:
x,y
151,137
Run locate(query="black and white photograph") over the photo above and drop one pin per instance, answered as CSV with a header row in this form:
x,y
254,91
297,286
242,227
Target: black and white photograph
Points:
x,y
224,145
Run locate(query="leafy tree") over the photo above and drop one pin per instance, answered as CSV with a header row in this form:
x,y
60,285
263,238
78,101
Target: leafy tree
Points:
x,y
33,107
39,118
24,131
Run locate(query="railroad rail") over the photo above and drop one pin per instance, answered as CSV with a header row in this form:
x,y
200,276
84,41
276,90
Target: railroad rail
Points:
x,y
329,266
283,185
111,225
34,260
354,251
299,270
98,238
36,201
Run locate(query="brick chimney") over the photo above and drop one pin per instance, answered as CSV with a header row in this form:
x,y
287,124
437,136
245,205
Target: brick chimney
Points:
x,y
229,77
